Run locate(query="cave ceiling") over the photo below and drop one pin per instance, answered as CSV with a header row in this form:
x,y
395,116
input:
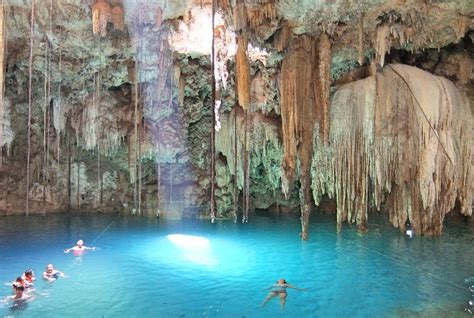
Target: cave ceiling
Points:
x,y
415,25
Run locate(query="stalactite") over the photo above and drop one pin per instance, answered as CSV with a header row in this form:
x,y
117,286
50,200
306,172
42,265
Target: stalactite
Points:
x,y
171,184
159,17
223,4
101,15
69,164
236,186
462,25
48,70
117,16
246,192
158,175
382,43
134,164
464,69
242,72
45,111
30,93
140,136
325,83
244,169
60,117
99,175
240,16
282,38
78,195
301,108
45,124
213,124
360,46
2,75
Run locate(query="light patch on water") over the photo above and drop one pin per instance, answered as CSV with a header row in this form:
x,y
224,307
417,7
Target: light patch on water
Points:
x,y
195,249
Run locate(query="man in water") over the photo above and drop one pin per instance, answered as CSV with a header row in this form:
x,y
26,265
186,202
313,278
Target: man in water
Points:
x,y
79,248
20,298
51,274
279,289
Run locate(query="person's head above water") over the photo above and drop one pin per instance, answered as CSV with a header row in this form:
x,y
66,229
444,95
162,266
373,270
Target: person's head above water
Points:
x,y
49,268
80,243
18,288
282,281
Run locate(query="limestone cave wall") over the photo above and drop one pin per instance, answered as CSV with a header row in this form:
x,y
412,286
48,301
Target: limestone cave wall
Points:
x,y
109,106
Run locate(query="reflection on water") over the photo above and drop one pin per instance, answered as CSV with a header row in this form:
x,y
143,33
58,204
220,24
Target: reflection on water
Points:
x,y
152,268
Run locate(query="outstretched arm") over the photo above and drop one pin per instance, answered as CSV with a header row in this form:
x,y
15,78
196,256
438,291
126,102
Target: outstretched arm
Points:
x,y
67,250
300,289
61,274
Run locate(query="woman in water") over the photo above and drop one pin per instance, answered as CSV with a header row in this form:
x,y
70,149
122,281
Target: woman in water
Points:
x,y
279,289
79,248
51,274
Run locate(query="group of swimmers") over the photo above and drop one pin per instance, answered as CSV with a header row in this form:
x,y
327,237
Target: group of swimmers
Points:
x,y
23,286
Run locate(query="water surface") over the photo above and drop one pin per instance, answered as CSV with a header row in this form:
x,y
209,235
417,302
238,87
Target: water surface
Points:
x,y
143,269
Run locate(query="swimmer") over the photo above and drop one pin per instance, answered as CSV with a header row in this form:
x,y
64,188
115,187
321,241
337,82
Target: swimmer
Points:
x,y
51,274
79,248
28,277
409,231
279,289
20,298
18,282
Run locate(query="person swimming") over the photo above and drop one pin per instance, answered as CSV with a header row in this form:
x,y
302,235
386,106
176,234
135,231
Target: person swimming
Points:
x,y
18,282
79,248
20,297
279,289
51,274
28,277
409,230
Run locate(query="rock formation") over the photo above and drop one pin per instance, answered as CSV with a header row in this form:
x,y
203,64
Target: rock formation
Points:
x,y
312,103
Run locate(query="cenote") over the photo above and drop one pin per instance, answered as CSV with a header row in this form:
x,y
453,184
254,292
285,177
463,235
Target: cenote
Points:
x,y
211,148
155,268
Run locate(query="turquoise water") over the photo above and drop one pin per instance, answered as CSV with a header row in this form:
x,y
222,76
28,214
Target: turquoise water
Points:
x,y
222,269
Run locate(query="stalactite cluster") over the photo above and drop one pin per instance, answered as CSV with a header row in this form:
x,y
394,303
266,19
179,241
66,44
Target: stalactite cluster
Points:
x,y
381,123
264,9
264,147
405,28
130,112
252,14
